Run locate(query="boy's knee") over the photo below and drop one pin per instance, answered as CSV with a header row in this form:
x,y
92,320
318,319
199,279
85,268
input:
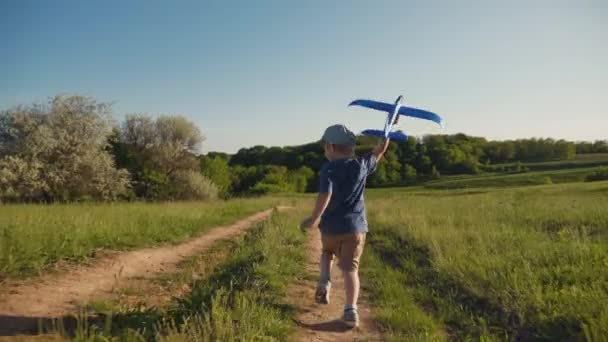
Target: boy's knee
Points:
x,y
351,265
351,251
328,255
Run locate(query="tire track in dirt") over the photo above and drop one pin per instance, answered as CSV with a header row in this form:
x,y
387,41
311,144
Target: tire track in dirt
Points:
x,y
22,304
324,322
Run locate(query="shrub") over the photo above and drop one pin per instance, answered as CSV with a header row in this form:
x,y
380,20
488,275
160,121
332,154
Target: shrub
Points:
x,y
218,171
435,174
301,179
191,185
599,175
408,173
519,168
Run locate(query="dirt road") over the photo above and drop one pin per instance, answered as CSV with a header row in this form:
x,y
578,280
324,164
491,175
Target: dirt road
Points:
x,y
323,322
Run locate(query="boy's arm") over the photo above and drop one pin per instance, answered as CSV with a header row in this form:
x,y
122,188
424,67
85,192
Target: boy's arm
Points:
x,y
379,150
320,205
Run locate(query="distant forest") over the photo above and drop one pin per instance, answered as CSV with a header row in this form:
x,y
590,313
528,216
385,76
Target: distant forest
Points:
x,y
72,149
261,167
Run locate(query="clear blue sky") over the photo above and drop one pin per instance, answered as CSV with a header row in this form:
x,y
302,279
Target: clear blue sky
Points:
x,y
279,72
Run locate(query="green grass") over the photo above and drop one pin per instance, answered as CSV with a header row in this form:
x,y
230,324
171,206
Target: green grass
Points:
x,y
592,157
512,180
495,261
523,263
581,160
395,308
32,237
242,300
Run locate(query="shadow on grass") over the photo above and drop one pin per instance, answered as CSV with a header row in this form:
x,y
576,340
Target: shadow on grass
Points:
x,y
67,325
19,325
451,193
436,292
336,325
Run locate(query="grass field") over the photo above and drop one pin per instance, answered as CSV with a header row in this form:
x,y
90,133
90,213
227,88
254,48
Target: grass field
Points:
x,y
541,173
490,262
512,180
581,160
524,263
33,237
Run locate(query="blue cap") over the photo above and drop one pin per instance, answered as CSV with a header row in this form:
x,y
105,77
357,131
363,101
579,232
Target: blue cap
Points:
x,y
339,135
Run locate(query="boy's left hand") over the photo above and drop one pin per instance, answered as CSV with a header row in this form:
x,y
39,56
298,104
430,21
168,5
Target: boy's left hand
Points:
x,y
308,223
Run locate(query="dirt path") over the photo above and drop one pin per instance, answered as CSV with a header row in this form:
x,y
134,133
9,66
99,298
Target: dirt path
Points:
x,y
323,322
24,304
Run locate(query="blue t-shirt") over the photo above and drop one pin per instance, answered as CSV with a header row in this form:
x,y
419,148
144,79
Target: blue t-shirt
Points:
x,y
345,179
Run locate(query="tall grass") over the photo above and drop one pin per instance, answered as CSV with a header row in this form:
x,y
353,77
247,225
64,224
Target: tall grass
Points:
x,y
526,263
34,236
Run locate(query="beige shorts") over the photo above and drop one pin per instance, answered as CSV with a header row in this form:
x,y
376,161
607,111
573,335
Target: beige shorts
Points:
x,y
347,247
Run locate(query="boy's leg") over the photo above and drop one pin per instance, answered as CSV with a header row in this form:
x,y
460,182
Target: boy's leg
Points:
x,y
329,249
325,267
350,253
351,283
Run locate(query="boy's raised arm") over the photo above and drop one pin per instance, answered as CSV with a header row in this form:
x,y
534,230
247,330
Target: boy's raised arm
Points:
x,y
379,150
320,205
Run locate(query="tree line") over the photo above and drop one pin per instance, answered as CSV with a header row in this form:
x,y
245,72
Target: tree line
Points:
x,y
417,158
72,149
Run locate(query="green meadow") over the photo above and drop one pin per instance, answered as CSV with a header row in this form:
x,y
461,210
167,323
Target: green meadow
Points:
x,y
559,176
520,263
33,237
495,261
579,161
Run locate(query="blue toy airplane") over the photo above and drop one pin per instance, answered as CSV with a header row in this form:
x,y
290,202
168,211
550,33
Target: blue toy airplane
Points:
x,y
394,110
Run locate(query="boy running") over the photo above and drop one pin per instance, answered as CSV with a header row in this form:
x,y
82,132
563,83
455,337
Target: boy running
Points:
x,y
340,213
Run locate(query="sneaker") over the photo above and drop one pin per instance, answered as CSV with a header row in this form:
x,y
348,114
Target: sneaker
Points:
x,y
351,317
322,294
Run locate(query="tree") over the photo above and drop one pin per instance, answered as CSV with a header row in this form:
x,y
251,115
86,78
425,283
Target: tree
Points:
x,y
59,152
243,179
301,179
218,171
275,179
408,173
20,180
166,144
158,152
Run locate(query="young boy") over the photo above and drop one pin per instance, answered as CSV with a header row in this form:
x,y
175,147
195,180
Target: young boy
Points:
x,y
340,211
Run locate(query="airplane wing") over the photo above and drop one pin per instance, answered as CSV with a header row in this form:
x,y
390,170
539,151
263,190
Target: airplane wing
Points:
x,y
421,114
374,132
381,106
399,136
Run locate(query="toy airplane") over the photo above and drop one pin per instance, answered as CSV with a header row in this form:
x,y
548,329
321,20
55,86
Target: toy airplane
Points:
x,y
394,110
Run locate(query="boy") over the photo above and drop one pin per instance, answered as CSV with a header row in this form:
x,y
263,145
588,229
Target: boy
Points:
x,y
340,210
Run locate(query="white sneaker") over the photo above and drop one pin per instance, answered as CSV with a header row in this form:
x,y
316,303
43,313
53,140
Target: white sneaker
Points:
x,y
322,293
351,317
